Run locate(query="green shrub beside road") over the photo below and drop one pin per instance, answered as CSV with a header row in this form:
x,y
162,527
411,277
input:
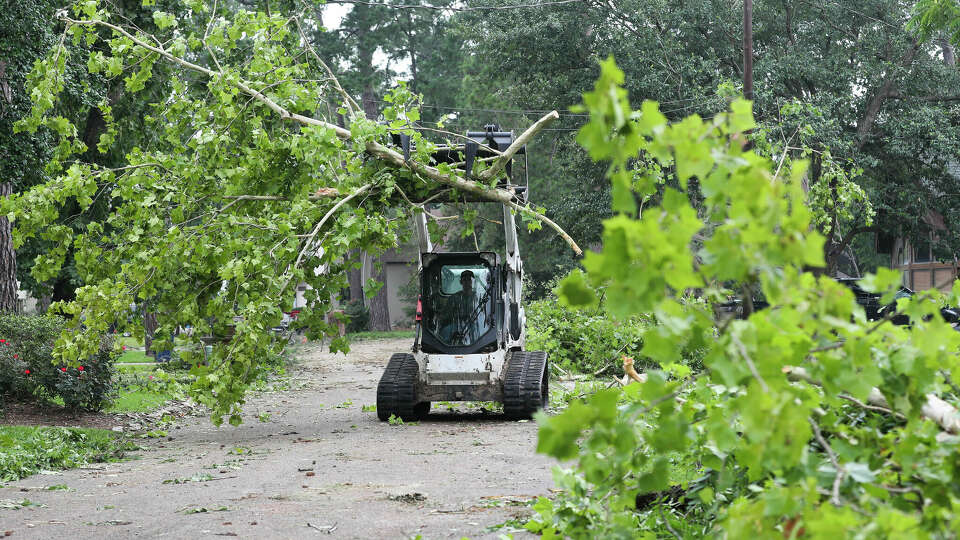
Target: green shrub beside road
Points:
x,y
26,368
582,340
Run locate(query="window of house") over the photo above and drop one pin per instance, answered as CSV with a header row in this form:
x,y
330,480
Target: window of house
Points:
x,y
922,251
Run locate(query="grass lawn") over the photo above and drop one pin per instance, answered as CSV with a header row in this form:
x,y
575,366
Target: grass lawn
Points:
x,y
143,388
392,334
134,357
129,341
136,368
27,450
138,400
133,399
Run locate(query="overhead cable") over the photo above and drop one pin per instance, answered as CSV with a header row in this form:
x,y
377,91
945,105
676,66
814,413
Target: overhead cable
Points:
x,y
452,8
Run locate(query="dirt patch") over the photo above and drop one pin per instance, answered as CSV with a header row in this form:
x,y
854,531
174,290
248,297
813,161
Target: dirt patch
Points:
x,y
23,413
322,464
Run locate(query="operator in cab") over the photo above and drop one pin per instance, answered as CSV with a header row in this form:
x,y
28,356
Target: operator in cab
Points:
x,y
467,317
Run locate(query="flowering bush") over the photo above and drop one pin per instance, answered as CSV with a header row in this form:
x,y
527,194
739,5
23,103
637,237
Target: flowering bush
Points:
x,y
26,368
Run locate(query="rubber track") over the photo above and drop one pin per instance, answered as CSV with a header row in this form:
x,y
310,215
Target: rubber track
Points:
x,y
396,393
523,390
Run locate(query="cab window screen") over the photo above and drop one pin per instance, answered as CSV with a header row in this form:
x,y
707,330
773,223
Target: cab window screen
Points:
x,y
461,303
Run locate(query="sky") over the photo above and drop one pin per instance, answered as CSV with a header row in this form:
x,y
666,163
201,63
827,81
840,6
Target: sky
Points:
x,y
332,14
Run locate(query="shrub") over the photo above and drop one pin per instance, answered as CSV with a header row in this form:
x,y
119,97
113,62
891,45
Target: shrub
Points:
x,y
582,340
359,316
25,353
89,385
26,367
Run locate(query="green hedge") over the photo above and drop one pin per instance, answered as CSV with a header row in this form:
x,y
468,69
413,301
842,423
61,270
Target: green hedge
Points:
x,y
582,341
27,369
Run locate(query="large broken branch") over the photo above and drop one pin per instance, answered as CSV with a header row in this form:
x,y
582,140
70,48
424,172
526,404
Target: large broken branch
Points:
x,y
935,409
380,151
521,141
886,90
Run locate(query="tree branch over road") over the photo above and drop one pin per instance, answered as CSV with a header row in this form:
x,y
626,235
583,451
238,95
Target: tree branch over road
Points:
x,y
244,183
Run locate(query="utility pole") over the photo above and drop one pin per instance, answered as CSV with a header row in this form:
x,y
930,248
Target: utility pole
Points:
x,y
748,49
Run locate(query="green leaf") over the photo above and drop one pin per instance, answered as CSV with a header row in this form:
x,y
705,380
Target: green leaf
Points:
x,y
575,292
163,20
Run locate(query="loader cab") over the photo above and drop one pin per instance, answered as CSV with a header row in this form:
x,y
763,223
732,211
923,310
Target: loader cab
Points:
x,y
462,302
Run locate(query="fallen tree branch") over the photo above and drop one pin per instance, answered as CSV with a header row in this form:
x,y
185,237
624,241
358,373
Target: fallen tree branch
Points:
x,y
519,143
609,364
550,223
746,358
875,408
309,239
838,344
935,409
348,101
320,194
375,149
841,471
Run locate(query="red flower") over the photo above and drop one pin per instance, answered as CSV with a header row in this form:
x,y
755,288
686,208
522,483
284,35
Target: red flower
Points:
x,y
124,347
3,341
27,371
63,369
80,368
15,357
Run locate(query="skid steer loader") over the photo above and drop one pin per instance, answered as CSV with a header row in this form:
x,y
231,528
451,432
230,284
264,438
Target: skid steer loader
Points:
x,y
470,324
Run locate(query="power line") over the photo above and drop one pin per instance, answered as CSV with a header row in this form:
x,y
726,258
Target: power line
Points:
x,y
459,123
453,8
855,12
702,100
498,111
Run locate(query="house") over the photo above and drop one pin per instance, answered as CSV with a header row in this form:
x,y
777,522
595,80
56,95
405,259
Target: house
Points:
x,y
914,257
919,269
400,269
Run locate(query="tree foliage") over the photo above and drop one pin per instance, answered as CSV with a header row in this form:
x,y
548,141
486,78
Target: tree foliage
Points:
x,y
776,424
31,29
844,84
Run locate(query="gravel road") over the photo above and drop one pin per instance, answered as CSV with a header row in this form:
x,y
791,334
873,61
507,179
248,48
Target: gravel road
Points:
x,y
319,467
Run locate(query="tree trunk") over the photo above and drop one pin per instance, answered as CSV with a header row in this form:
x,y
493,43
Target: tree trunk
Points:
x,y
96,126
355,280
379,312
369,102
149,327
948,56
885,91
9,302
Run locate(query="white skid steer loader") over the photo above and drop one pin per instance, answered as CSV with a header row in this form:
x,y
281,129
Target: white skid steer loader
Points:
x,y
470,322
